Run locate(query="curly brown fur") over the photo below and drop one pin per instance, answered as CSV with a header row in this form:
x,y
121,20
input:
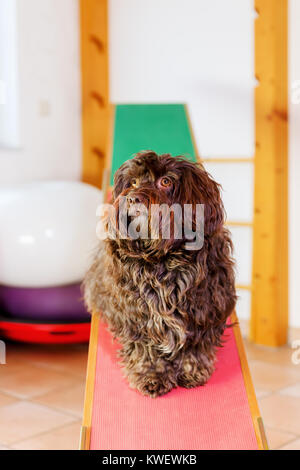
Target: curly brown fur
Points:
x,y
167,306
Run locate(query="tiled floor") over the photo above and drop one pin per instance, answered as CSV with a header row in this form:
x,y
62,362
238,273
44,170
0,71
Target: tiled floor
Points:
x,y
41,396
277,383
42,387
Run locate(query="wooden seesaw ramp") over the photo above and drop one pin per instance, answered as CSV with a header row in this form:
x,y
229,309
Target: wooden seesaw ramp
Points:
x,y
221,415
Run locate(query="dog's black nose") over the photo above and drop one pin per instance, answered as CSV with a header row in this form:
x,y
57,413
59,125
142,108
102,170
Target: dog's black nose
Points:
x,y
131,199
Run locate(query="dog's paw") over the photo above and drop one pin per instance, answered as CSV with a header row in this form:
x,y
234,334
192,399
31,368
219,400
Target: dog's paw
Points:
x,y
154,386
191,380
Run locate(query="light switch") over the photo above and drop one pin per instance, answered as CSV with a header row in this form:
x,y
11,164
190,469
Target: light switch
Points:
x,y
44,108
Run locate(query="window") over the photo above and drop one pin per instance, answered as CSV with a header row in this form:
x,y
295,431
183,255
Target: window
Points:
x,y
9,102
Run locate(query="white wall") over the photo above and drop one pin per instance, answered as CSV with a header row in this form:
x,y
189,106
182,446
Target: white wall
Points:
x,y
197,51
49,78
9,96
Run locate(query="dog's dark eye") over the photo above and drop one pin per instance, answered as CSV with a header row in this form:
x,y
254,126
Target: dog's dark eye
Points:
x,y
133,182
165,182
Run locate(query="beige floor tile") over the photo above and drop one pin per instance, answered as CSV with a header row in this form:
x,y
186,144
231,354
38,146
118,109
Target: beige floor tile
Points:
x,y
294,334
73,363
66,438
277,438
3,447
281,412
270,377
11,368
278,356
33,381
66,358
261,393
23,420
294,445
68,400
293,391
6,399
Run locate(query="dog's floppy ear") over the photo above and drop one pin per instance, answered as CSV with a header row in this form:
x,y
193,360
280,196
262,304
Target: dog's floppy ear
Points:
x,y
121,179
200,188
118,183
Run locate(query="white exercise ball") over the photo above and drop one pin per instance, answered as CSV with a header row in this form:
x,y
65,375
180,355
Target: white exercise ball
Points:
x,y
47,232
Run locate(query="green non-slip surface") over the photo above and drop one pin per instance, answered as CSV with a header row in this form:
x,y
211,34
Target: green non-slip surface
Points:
x,y
163,128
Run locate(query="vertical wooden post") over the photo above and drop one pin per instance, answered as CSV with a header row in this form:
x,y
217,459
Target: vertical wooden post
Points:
x,y
95,94
269,317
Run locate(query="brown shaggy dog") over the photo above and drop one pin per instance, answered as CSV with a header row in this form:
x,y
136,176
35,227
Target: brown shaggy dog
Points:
x,y
167,305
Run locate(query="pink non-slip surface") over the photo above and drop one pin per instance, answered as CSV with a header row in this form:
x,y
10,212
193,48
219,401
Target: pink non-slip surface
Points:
x,y
216,416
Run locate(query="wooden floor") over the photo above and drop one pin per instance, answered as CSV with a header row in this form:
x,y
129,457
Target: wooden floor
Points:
x,y
41,396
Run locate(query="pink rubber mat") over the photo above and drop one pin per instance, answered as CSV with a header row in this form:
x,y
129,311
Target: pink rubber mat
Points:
x,y
216,416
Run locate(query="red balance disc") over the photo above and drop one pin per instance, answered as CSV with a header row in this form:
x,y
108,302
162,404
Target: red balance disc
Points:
x,y
55,333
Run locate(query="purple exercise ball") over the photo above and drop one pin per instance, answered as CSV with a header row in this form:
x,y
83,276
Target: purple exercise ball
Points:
x,y
63,303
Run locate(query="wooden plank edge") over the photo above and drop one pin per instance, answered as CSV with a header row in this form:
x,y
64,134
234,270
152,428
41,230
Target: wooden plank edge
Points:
x,y
90,385
253,405
93,343
193,138
85,436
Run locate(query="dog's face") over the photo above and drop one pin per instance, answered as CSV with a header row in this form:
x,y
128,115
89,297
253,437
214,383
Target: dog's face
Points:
x,y
149,180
